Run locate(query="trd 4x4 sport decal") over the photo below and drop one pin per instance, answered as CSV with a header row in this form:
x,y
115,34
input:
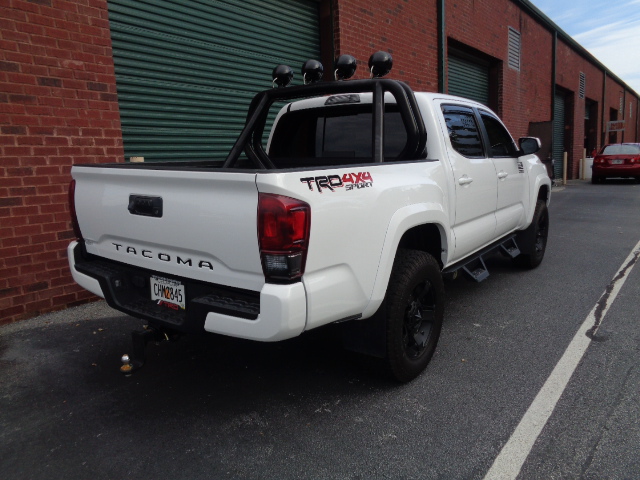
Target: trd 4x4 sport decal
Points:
x,y
350,181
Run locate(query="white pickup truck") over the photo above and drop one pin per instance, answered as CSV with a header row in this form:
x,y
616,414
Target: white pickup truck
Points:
x,y
350,208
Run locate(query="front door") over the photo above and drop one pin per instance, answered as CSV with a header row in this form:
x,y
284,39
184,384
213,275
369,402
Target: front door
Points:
x,y
510,173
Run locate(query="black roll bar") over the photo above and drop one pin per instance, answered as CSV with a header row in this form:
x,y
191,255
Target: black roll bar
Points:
x,y
250,139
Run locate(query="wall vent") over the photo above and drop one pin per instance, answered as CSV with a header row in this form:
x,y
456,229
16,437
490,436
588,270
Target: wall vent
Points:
x,y
514,49
581,90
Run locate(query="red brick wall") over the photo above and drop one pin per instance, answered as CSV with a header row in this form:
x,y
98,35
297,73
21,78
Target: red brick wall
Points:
x,y
569,66
614,91
407,29
631,117
525,95
58,107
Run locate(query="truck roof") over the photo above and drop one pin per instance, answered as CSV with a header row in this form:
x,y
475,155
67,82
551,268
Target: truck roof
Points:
x,y
318,102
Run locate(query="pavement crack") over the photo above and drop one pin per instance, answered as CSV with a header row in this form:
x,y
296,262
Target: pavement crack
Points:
x,y
601,306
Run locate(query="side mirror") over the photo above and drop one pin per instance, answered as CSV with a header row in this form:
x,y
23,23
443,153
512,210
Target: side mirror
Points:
x,y
529,145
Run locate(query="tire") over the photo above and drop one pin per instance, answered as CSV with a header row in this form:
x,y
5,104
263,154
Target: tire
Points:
x,y
533,241
414,309
595,180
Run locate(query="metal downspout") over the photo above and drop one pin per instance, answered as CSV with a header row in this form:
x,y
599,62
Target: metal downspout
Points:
x,y
553,92
604,106
624,111
637,119
442,58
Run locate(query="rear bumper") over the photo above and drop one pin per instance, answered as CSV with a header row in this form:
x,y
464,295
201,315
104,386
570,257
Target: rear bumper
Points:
x,y
616,170
275,313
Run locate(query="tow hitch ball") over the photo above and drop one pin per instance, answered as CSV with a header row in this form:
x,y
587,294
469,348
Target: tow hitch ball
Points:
x,y
131,363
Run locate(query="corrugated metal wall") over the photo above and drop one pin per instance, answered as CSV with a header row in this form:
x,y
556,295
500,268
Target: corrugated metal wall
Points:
x,y
468,79
187,70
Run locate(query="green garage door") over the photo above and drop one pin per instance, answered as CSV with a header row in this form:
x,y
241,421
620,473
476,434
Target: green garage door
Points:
x,y
468,79
187,70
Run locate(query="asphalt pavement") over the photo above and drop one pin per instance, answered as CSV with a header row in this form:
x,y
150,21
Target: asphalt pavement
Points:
x,y
214,407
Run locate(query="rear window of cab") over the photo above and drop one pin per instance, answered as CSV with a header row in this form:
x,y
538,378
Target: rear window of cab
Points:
x,y
344,132
621,149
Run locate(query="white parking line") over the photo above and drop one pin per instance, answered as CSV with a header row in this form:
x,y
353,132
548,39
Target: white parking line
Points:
x,y
508,463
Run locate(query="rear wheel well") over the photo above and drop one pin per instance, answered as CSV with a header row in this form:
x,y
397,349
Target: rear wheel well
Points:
x,y
426,238
543,193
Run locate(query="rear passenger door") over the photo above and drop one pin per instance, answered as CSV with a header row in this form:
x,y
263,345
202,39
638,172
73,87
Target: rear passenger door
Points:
x,y
510,173
475,180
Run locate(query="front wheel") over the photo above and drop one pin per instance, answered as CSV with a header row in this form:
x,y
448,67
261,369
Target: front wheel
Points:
x,y
414,311
533,240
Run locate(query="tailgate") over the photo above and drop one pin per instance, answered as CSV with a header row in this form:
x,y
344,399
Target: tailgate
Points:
x,y
206,228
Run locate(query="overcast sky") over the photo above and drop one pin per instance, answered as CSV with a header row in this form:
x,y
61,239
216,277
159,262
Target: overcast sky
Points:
x,y
608,29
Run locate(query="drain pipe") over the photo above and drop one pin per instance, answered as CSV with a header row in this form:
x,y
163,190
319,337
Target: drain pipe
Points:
x,y
442,39
605,140
637,134
553,98
624,111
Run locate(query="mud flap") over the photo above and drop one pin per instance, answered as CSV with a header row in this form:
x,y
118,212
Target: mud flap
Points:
x,y
368,336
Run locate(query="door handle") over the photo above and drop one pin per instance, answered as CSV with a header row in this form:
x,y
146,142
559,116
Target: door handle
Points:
x,y
464,180
503,175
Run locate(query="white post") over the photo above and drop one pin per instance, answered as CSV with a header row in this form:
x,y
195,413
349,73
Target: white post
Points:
x,y
583,164
564,168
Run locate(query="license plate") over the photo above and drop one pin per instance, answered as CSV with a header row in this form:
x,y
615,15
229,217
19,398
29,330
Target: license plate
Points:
x,y
617,162
168,291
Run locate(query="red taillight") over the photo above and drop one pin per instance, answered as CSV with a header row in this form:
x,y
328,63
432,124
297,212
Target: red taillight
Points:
x,y
72,210
283,234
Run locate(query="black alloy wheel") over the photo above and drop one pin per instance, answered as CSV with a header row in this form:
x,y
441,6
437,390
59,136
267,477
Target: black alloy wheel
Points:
x,y
414,310
418,320
542,232
533,241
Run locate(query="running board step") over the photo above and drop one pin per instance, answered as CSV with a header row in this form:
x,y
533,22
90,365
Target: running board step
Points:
x,y
474,265
510,248
476,269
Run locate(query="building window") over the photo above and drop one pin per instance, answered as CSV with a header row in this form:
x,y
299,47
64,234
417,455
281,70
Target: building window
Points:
x,y
514,49
582,85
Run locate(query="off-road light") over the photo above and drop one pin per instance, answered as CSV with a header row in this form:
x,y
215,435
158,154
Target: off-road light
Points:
x,y
345,67
380,64
282,75
312,71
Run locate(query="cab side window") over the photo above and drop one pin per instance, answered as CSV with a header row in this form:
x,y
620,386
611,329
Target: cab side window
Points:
x,y
463,130
501,143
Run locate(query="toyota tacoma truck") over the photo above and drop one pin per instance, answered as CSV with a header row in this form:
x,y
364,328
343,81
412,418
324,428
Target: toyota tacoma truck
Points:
x,y
343,201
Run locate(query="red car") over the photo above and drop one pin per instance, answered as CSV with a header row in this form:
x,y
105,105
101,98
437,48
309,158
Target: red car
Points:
x,y
617,160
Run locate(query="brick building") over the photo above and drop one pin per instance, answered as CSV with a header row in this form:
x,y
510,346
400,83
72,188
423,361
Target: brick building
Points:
x,y
88,81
